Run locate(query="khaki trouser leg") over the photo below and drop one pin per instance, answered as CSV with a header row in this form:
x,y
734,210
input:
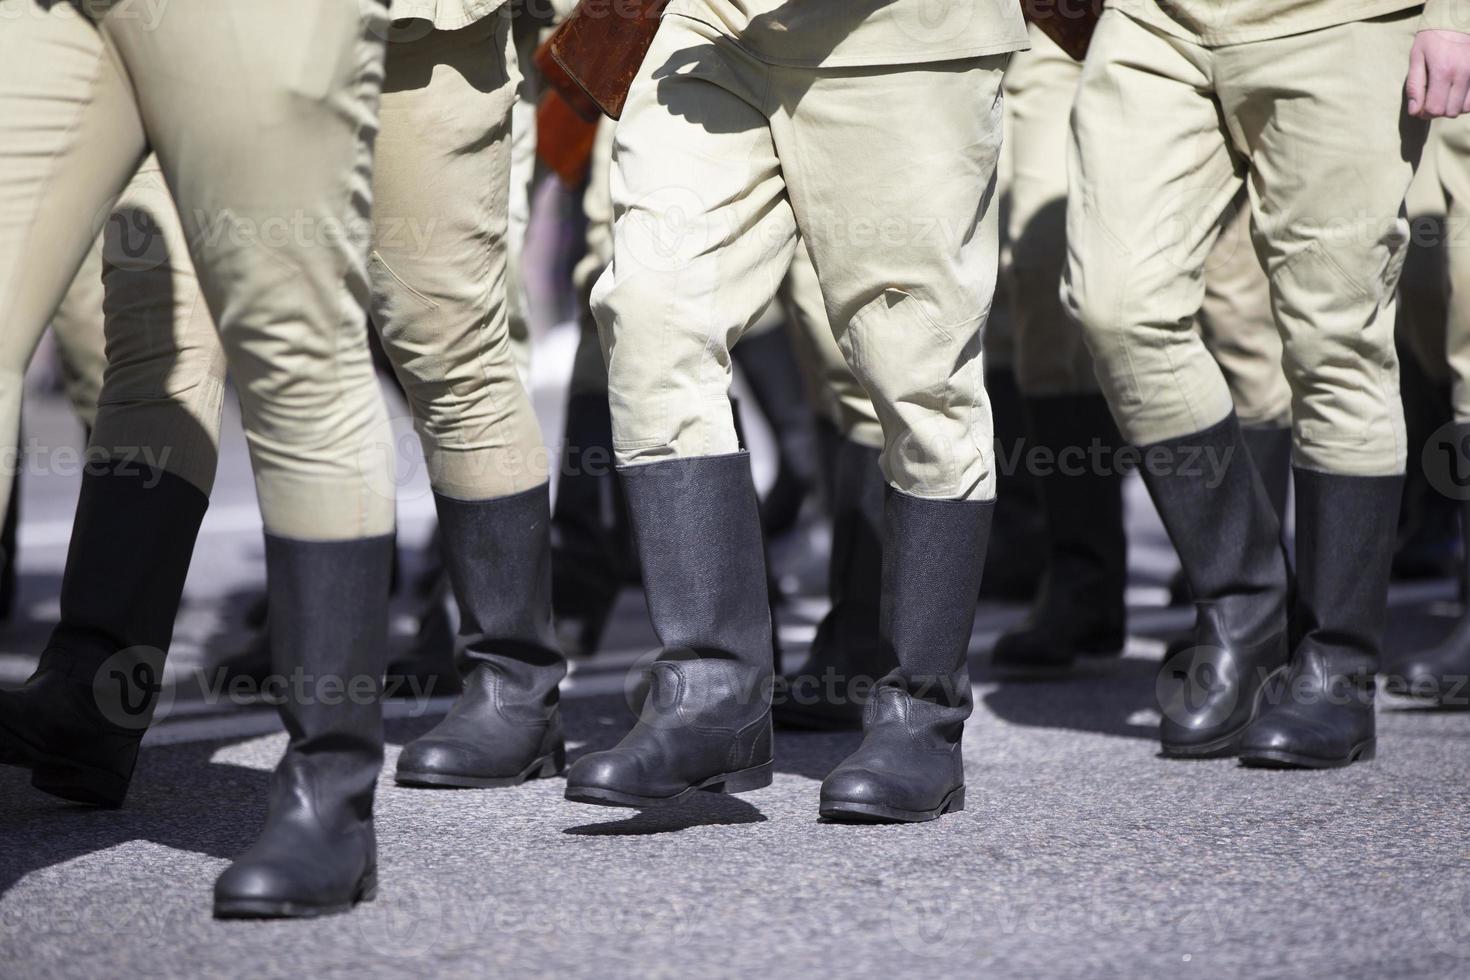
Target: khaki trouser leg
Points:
x,y
279,245
1333,248
1051,356
438,262
1452,152
1151,176
903,234
63,160
77,327
1236,323
837,394
703,234
165,382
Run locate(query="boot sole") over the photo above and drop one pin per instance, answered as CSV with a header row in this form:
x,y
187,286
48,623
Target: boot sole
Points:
x,y
1280,759
841,812
744,781
545,767
60,777
260,908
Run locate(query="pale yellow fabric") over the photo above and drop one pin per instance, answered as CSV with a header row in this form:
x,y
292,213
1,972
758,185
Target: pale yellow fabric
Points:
x,y
1163,133
835,391
438,262
445,15
1452,164
1214,23
847,33
720,160
267,149
77,329
164,388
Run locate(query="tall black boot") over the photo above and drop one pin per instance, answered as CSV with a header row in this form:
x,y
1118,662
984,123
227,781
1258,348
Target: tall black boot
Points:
x,y
846,656
1219,517
1269,447
1440,675
909,766
592,554
705,723
1016,561
506,726
77,722
1080,611
769,366
7,549
1344,549
329,627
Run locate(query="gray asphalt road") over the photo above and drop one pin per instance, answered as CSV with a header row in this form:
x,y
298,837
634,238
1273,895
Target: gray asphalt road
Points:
x,y
1081,854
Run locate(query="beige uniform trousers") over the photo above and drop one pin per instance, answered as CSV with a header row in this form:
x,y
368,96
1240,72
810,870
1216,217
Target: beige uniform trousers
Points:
x,y
266,147
1165,132
1452,163
721,161
1051,356
437,271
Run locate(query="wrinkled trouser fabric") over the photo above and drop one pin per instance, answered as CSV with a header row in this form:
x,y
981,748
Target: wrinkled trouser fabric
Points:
x,y
720,161
278,243
1165,133
1051,356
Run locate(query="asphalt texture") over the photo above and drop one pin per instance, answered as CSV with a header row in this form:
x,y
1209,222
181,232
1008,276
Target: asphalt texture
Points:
x,y
1080,853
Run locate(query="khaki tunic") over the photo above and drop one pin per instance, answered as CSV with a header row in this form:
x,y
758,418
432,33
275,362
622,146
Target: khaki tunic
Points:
x,y
1219,22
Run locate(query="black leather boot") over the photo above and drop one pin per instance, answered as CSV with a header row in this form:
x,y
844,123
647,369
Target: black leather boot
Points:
x,y
909,767
506,726
773,375
1219,517
1344,549
8,532
1440,674
1080,611
1269,447
705,723
329,627
77,722
592,554
846,657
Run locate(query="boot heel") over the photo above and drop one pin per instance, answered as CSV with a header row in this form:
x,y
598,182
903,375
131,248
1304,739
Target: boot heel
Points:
x,y
744,781
551,766
91,786
1366,752
953,803
367,888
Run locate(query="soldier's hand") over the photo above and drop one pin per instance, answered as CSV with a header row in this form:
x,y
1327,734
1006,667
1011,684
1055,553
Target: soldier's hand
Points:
x,y
1439,75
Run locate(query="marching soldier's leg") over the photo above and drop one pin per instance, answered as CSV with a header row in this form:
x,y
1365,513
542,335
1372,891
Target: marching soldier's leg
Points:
x,y
1334,252
267,152
703,235
150,467
1239,329
64,158
1079,610
1151,176
439,302
846,657
77,327
592,551
1439,673
908,308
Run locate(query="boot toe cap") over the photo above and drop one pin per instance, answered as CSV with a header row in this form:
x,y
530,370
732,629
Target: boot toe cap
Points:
x,y
857,785
606,771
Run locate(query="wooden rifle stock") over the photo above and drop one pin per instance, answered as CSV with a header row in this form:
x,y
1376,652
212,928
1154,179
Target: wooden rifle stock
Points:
x,y
590,60
1070,23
